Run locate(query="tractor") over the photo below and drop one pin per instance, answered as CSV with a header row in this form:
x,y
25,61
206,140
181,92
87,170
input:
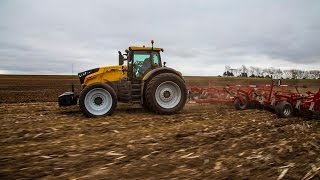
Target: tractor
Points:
x,y
144,80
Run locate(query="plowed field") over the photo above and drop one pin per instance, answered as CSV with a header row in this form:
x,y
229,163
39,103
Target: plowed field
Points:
x,y
40,140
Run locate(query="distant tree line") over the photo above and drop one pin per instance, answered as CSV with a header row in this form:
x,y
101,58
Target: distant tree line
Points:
x,y
275,73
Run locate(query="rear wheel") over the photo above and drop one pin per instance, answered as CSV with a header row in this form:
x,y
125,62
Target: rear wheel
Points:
x,y
98,100
284,109
166,94
145,104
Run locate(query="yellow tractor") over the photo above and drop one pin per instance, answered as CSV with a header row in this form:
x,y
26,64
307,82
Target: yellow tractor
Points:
x,y
144,80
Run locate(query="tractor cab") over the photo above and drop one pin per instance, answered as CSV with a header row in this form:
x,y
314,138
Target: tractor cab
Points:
x,y
141,60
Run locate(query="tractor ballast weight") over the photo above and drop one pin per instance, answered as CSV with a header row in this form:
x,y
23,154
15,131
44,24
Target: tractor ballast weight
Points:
x,y
144,80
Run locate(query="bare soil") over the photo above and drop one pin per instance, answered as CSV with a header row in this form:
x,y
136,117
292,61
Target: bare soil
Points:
x,y
41,140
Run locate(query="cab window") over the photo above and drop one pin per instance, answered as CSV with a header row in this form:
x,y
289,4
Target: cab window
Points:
x,y
156,58
141,63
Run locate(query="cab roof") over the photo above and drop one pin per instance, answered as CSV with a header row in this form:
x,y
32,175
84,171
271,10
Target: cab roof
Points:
x,y
143,48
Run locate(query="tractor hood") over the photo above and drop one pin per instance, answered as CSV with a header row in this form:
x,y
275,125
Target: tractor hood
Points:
x,y
102,74
84,74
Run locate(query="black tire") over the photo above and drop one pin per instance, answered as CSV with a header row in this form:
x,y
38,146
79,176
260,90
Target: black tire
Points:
x,y
145,104
241,105
284,109
159,81
103,91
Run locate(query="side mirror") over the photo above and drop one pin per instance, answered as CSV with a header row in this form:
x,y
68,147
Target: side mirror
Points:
x,y
164,64
120,58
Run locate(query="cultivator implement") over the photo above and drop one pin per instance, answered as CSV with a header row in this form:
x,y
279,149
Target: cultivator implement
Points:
x,y
308,105
280,99
284,100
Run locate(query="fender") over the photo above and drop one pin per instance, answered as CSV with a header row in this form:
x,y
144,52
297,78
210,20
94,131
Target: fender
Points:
x,y
146,78
160,70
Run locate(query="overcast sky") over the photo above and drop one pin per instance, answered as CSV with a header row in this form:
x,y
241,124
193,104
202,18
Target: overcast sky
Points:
x,y
199,37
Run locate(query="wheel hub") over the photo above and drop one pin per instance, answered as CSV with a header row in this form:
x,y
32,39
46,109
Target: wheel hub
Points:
x,y
166,94
98,101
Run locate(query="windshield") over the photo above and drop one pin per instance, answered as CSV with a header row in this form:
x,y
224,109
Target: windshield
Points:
x,y
143,61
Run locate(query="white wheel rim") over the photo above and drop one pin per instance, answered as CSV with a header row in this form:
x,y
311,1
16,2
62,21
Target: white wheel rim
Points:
x,y
98,101
287,111
168,94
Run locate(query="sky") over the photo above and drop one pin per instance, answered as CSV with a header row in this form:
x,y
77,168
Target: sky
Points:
x,y
199,37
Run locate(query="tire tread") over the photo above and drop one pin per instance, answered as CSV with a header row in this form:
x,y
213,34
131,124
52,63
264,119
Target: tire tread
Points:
x,y
152,86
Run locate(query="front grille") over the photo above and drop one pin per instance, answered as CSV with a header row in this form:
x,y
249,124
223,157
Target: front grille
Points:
x,y
84,74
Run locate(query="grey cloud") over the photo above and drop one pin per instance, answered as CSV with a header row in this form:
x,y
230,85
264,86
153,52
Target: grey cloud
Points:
x,y
195,34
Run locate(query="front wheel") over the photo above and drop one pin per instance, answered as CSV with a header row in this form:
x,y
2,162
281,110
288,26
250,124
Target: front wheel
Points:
x,y
166,94
98,100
